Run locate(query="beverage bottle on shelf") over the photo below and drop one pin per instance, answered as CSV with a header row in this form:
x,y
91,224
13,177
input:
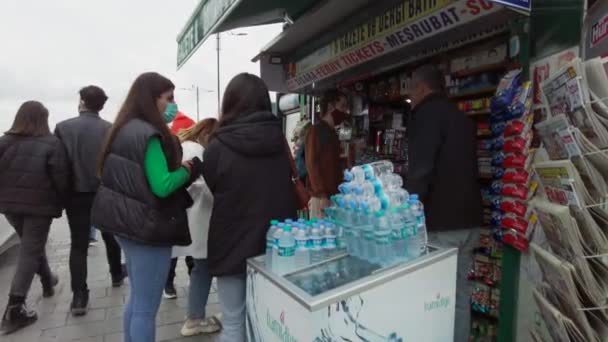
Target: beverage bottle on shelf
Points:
x,y
382,240
316,251
302,254
287,248
289,222
392,181
330,241
270,242
275,246
417,210
368,245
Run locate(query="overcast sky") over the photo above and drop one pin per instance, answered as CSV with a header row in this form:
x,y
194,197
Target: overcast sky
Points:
x,y
50,49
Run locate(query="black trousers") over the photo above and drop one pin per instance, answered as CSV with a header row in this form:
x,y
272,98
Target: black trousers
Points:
x,y
189,264
79,218
33,232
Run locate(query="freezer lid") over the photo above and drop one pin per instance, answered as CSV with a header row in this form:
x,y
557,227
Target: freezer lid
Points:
x,y
361,276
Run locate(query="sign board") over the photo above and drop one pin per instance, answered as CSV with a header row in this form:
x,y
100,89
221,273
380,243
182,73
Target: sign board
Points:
x,y
520,5
596,31
396,17
448,18
207,16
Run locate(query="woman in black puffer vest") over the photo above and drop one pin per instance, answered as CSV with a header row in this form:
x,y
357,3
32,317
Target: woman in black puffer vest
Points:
x,y
34,180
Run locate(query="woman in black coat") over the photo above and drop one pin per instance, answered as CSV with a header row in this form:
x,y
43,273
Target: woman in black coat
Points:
x,y
246,166
34,180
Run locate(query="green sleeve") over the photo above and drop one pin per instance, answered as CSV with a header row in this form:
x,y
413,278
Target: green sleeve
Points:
x,y
162,182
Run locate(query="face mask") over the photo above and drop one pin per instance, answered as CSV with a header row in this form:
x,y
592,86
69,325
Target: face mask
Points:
x,y
338,116
170,113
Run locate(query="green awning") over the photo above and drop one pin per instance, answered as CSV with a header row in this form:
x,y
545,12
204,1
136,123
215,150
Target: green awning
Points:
x,y
213,16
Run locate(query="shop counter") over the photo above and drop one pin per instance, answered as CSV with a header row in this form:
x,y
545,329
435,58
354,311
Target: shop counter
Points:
x,y
345,298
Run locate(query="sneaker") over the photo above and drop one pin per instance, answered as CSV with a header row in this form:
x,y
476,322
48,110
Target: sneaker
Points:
x,y
80,303
49,291
17,317
92,242
194,327
170,292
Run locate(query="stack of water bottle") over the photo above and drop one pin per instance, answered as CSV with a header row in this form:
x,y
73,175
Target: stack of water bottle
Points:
x,y
381,222
373,218
292,245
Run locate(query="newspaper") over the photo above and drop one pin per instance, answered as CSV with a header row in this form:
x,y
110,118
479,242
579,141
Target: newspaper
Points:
x,y
562,292
561,328
567,242
567,92
564,186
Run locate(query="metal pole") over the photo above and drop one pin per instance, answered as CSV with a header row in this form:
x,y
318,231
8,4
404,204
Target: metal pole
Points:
x,y
197,105
219,108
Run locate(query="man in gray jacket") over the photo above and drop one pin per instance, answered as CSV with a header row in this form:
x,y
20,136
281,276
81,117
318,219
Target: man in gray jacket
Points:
x,y
83,137
443,172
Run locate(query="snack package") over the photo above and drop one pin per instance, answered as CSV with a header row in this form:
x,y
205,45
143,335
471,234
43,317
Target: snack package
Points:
x,y
480,299
515,240
497,173
519,127
517,145
498,128
516,161
512,206
498,144
518,224
494,302
496,218
522,102
516,176
497,272
506,92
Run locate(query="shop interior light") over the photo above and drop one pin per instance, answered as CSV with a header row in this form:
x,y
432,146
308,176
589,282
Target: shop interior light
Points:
x,y
408,100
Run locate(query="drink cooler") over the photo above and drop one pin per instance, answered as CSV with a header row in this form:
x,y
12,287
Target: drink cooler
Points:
x,y
348,299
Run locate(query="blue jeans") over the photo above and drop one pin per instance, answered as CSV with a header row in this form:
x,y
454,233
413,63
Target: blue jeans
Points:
x,y
232,290
93,234
200,284
148,267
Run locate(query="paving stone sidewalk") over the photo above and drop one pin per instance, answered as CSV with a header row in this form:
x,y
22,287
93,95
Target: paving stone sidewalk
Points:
x,y
103,323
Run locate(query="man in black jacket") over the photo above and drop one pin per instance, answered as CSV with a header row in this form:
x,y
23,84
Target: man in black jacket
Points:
x,y
443,172
83,137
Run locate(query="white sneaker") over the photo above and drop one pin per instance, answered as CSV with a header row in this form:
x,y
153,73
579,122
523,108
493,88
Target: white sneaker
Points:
x,y
201,326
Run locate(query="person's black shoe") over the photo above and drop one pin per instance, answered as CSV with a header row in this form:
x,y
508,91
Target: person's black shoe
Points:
x,y
80,303
17,317
170,292
119,280
49,290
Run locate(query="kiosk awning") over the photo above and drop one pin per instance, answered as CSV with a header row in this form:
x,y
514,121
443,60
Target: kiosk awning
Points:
x,y
213,16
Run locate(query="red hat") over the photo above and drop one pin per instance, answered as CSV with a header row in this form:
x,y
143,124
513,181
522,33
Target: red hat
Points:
x,y
181,122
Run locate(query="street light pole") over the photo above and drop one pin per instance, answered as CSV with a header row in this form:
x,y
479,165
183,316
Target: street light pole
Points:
x,y
219,108
198,103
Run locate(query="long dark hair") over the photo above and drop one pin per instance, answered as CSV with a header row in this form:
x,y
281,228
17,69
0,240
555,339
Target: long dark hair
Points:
x,y
245,94
31,120
141,104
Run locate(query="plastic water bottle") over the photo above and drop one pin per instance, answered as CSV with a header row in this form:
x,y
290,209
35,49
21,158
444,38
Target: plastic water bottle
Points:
x,y
275,247
382,240
270,241
302,254
417,210
316,251
368,245
379,168
287,248
330,240
398,236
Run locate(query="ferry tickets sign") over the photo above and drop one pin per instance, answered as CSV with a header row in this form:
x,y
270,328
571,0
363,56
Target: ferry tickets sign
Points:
x,y
448,18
